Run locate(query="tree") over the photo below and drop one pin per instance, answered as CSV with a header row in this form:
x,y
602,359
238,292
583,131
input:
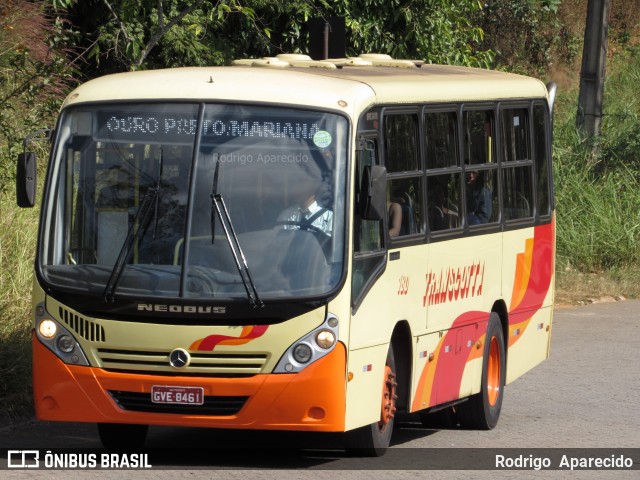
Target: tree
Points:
x,y
35,74
136,34
132,34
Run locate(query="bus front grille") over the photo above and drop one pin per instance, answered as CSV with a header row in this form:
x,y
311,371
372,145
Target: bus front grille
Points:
x,y
213,406
85,328
202,363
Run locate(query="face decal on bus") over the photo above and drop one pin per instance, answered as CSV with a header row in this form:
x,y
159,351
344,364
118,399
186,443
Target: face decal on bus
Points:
x,y
248,333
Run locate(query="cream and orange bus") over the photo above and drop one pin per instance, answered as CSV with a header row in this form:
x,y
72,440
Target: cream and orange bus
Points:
x,y
288,244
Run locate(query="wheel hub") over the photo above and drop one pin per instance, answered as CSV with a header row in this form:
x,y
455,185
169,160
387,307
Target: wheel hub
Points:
x,y
389,396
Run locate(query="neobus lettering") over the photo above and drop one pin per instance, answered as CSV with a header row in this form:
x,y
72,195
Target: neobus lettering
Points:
x,y
454,284
160,308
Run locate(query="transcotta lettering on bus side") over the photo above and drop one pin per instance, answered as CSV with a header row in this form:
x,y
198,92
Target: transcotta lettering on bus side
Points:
x,y
163,308
453,284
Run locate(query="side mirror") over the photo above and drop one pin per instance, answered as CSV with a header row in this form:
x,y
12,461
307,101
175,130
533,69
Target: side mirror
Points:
x,y
26,180
373,193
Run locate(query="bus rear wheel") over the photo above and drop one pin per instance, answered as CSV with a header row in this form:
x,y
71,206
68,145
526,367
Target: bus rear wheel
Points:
x,y
119,436
373,440
482,410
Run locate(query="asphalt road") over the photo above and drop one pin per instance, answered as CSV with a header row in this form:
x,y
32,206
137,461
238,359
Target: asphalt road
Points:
x,y
586,396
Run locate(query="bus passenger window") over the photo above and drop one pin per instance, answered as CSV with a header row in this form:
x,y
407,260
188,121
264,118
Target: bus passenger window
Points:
x,y
401,143
368,251
404,184
444,202
541,159
441,140
481,169
518,201
517,178
480,196
404,204
479,137
515,134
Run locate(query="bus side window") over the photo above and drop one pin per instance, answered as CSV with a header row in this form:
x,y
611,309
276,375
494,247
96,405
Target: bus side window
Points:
x,y
541,159
369,253
444,198
404,184
481,168
479,139
444,201
366,232
517,192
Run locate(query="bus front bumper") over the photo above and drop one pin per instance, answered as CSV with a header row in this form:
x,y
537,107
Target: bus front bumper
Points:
x,y
311,400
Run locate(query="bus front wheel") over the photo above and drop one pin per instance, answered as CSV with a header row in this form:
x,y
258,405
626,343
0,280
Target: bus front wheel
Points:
x,y
373,440
482,410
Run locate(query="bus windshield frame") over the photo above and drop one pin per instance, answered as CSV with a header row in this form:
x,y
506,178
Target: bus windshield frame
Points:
x,y
130,214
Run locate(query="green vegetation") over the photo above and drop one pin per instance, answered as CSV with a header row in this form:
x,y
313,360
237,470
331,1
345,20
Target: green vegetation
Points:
x,y
47,46
597,191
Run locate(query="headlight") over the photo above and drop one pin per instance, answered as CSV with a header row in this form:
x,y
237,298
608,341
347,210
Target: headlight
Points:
x,y
47,328
310,348
65,343
325,339
302,353
57,338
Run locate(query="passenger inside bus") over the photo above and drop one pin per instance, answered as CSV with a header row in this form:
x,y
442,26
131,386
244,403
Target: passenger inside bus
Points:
x,y
442,214
478,199
311,209
395,216
401,210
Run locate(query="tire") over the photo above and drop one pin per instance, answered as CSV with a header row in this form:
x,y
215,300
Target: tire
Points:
x,y
373,440
482,410
118,436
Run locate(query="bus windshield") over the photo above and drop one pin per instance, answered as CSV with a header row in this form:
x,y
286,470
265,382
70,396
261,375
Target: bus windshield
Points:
x,y
170,200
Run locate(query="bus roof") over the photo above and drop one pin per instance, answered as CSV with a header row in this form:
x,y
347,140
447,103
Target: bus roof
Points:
x,y
327,84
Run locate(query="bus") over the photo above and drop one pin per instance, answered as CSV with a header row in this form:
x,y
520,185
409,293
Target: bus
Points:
x,y
292,244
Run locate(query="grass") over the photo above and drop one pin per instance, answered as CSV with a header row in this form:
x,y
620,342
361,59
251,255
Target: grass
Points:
x,y
597,184
17,247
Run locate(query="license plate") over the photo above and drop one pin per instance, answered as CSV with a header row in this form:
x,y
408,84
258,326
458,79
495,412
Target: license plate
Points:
x,y
177,395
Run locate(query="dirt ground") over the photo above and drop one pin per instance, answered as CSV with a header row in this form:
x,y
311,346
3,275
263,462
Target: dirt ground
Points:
x,y
574,288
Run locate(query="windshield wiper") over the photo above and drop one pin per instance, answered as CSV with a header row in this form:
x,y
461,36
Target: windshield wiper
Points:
x,y
218,206
138,225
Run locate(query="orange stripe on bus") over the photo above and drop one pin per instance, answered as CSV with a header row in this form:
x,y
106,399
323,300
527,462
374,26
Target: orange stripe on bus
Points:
x,y
523,274
312,400
247,334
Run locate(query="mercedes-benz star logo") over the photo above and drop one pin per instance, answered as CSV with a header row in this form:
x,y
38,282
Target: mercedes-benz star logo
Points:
x,y
179,358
